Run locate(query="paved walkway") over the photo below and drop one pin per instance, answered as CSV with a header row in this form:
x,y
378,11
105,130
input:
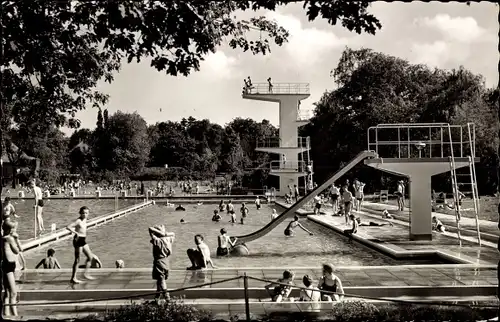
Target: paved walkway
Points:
x,y
485,226
369,276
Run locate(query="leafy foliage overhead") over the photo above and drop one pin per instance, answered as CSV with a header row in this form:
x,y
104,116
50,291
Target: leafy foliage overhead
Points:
x,y
55,52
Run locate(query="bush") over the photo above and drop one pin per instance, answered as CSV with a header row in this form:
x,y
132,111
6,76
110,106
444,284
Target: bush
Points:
x,y
150,311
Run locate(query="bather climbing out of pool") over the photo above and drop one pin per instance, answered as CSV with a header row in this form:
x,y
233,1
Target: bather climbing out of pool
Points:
x,y
289,231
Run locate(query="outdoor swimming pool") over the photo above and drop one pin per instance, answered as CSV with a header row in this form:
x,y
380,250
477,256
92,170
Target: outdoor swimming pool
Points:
x,y
62,211
127,238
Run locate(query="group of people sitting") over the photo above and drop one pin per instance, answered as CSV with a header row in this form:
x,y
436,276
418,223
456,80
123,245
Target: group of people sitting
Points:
x,y
329,287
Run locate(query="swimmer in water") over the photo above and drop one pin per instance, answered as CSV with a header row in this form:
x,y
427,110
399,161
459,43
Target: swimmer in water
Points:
x,y
180,208
274,215
183,221
216,217
294,224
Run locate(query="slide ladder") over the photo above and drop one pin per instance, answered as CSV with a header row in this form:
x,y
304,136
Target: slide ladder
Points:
x,y
458,191
290,212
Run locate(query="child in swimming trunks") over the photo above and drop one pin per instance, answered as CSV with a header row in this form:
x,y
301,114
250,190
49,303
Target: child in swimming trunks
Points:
x,y
244,213
347,200
257,203
79,229
289,231
162,249
281,291
10,252
50,262
233,217
225,243
199,256
437,225
354,229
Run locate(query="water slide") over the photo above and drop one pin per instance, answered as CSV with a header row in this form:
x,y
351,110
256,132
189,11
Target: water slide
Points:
x,y
290,212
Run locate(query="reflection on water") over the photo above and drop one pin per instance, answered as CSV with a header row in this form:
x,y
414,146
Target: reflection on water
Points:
x,y
62,212
127,238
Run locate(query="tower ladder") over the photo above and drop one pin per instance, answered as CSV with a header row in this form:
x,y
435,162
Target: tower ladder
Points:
x,y
454,184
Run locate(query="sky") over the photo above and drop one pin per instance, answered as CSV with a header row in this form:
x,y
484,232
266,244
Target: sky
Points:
x,y
443,35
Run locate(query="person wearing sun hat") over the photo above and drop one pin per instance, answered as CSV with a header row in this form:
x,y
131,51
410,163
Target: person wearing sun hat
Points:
x,y
162,249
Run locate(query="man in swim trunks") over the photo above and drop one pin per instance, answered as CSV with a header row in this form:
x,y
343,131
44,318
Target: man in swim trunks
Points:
x,y
294,224
79,228
10,252
37,192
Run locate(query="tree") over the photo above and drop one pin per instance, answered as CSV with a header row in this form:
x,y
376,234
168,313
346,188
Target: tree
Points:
x,y
375,88
57,51
128,144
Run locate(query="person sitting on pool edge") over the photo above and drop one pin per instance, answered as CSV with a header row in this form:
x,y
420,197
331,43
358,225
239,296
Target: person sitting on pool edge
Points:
x,y
282,290
331,284
354,229
180,208
199,256
437,225
293,224
216,217
225,243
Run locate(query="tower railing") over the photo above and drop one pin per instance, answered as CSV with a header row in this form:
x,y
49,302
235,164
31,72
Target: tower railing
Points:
x,y
277,88
276,142
299,166
421,140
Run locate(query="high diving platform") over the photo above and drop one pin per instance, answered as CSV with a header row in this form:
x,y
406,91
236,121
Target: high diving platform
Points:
x,y
419,151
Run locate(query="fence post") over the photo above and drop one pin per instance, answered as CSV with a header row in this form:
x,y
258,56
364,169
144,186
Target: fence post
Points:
x,y
247,304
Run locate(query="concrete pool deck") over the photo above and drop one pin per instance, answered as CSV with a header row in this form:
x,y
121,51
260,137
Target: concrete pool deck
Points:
x,y
394,240
453,283
489,229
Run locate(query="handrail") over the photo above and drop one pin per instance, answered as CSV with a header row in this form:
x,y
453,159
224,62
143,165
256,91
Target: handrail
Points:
x,y
426,138
300,166
276,142
290,212
276,88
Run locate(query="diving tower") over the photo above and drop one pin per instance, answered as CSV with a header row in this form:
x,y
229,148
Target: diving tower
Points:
x,y
288,144
418,151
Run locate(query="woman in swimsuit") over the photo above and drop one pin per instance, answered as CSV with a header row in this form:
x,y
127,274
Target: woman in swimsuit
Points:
x,y
11,250
294,224
329,282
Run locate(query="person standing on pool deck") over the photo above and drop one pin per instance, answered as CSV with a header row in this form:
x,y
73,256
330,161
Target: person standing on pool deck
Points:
x,y
37,192
400,193
10,251
79,228
162,249
293,224
347,200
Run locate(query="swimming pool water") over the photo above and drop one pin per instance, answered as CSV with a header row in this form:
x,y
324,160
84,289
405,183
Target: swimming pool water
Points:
x,y
127,238
62,211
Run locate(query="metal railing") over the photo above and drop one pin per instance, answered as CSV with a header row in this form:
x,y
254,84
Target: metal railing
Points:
x,y
422,140
298,166
276,142
276,88
305,115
